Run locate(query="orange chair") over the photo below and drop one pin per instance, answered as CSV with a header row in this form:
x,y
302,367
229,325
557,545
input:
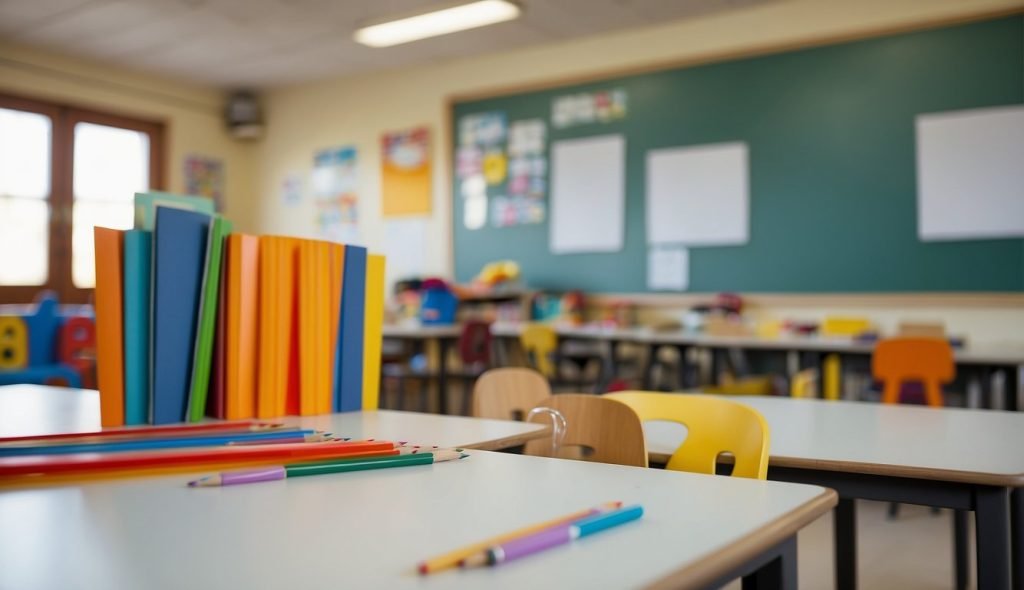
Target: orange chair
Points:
x,y
927,360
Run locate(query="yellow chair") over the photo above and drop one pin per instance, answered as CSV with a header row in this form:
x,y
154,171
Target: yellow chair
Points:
x,y
804,384
713,426
838,327
540,342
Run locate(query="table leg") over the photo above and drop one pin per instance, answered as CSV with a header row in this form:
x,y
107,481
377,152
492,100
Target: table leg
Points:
x,y
778,574
845,533
1017,537
650,357
992,514
1020,388
961,562
684,367
442,375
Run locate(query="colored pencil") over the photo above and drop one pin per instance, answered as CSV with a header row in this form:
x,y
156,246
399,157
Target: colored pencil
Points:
x,y
209,440
280,472
454,558
308,438
554,536
96,463
144,431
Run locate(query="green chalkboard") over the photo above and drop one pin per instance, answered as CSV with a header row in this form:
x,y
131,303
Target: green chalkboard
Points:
x,y
833,204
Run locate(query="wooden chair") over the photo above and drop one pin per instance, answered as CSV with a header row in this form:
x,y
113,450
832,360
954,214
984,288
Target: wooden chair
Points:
x,y
713,426
901,360
509,394
605,430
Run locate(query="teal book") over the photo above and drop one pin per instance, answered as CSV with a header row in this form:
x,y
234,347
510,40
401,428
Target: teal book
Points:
x,y
206,322
138,253
147,203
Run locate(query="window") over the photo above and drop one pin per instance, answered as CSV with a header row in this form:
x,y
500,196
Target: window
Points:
x,y
64,170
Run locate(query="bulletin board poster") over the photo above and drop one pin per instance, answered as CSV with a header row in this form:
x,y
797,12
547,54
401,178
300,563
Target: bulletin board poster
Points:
x,y
334,192
405,173
502,168
204,177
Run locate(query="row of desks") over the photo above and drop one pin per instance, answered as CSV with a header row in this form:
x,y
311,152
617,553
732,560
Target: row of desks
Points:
x,y
1005,357
963,459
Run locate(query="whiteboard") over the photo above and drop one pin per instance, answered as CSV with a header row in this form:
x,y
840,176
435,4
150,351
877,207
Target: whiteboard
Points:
x,y
588,194
970,174
699,195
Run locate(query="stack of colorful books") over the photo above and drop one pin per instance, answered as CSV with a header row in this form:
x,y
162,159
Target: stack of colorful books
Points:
x,y
194,320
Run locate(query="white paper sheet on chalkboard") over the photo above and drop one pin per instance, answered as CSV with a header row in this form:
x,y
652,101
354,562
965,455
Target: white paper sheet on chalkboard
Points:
x,y
970,174
698,195
668,268
588,194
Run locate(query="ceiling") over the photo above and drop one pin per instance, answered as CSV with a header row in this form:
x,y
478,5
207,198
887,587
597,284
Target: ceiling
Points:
x,y
261,43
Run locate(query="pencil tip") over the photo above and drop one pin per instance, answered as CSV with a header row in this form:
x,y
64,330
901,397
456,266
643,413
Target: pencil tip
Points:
x,y
422,568
463,456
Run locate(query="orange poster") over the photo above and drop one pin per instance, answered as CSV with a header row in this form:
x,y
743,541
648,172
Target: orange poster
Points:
x,y
405,173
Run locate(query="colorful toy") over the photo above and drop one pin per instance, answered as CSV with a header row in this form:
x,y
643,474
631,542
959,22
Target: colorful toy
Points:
x,y
46,345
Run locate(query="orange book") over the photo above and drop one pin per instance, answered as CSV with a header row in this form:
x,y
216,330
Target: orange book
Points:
x,y
276,310
243,315
326,404
315,351
110,324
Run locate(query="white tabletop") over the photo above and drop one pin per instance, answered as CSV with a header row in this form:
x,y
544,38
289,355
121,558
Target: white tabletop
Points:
x,y
368,529
950,444
36,409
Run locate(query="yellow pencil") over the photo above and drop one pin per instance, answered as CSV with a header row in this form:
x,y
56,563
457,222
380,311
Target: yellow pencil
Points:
x,y
450,560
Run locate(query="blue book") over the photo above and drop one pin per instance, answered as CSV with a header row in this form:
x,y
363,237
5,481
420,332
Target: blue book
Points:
x,y
348,382
179,257
138,256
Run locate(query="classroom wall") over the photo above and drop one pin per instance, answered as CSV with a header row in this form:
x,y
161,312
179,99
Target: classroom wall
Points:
x,y
355,110
192,115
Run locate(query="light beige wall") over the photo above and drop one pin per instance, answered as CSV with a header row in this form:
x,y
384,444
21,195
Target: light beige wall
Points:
x,y
192,115
355,110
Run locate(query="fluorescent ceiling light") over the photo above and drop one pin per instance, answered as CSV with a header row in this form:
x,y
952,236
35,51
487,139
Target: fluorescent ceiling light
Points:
x,y
438,22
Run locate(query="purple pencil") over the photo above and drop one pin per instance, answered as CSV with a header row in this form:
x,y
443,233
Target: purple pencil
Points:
x,y
555,536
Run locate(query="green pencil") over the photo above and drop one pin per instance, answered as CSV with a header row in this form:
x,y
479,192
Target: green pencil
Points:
x,y
278,472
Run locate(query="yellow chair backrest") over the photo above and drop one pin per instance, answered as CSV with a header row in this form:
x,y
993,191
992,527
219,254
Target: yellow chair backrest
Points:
x,y
509,393
539,343
805,384
713,426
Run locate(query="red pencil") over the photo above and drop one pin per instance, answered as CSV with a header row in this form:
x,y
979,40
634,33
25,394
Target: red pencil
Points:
x,y
143,431
97,462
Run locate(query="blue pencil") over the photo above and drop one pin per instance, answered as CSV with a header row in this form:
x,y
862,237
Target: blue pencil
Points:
x,y
150,444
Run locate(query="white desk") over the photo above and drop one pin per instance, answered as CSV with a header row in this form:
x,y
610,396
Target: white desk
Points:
x,y
37,409
955,458
369,529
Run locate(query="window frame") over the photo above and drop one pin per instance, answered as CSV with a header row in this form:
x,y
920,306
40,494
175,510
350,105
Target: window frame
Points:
x,y
63,119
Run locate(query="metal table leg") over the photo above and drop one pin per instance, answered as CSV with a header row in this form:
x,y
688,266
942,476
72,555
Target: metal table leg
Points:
x,y
1017,537
779,573
442,374
845,522
992,513
961,560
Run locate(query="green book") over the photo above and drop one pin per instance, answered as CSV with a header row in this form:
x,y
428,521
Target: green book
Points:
x,y
146,204
206,323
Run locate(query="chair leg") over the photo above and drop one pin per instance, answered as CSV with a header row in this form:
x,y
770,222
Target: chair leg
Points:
x,y
467,394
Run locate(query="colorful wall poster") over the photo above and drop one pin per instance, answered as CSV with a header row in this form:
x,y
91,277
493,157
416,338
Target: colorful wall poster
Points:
x,y
204,177
603,106
526,189
406,172
334,190
480,161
